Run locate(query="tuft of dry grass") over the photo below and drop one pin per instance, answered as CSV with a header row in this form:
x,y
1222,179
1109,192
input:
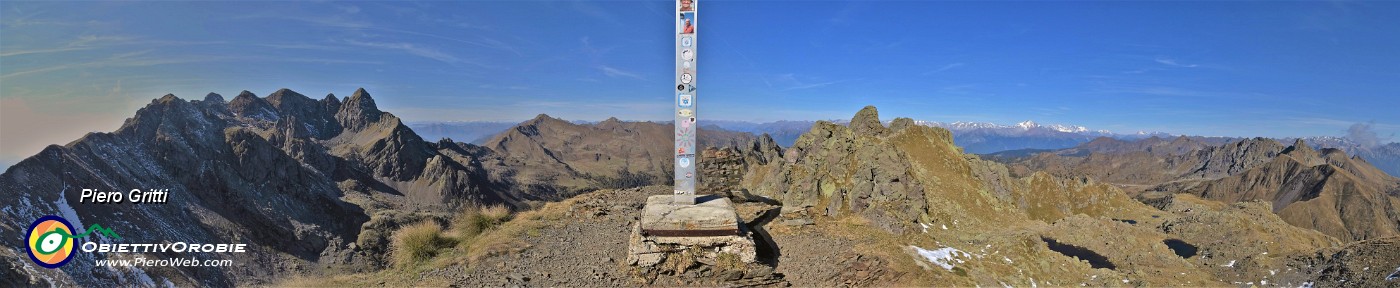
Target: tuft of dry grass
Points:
x,y
473,221
729,262
416,243
681,261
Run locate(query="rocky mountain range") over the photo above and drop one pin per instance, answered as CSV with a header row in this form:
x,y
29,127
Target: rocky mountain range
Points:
x,y
994,140
1385,156
317,187
1325,190
975,137
302,181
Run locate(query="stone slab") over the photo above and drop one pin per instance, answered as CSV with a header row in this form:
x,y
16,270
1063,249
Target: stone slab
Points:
x,y
711,215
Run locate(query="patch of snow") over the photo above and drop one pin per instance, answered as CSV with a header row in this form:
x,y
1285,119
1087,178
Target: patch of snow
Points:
x,y
1231,264
1306,285
1394,276
1008,260
925,227
32,272
143,277
943,257
945,227
1028,124
1125,281
67,210
1273,272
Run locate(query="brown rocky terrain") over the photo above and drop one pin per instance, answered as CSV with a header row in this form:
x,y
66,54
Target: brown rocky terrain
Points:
x,y
1325,190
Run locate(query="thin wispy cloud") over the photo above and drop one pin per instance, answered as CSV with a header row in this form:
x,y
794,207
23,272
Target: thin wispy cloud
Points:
x,y
302,46
130,59
84,42
413,49
1174,63
360,24
592,10
790,82
615,73
947,67
42,51
811,85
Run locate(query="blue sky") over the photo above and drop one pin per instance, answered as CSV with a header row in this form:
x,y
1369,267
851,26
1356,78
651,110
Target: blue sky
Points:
x,y
1275,69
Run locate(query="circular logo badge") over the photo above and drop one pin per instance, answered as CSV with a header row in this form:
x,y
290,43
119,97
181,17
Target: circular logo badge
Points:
x,y
50,241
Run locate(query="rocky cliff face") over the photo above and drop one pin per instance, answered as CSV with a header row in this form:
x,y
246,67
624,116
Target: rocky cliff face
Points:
x,y
722,169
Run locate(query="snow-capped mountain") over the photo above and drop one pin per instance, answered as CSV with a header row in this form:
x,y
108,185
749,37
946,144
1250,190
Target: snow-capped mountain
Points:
x,y
1023,126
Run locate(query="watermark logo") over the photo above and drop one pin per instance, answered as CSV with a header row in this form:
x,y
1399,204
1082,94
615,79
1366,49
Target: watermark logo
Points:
x,y
51,240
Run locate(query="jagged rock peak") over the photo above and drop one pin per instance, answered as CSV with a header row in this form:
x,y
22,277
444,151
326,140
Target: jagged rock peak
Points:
x,y
361,100
542,118
867,122
1299,144
284,92
330,98
167,98
214,98
358,111
1304,153
246,94
900,123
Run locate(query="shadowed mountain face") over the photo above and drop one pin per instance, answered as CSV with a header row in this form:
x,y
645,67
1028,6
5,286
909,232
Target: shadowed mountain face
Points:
x,y
1324,189
305,181
290,176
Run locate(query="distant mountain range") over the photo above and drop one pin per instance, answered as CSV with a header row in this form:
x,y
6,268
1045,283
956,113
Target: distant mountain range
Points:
x,y
475,132
1384,156
974,137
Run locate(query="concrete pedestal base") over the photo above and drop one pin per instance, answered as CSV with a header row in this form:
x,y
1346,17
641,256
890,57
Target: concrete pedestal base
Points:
x,y
707,232
710,216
